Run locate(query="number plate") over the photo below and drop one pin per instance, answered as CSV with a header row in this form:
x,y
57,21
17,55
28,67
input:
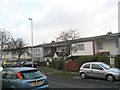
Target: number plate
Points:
x,y
35,83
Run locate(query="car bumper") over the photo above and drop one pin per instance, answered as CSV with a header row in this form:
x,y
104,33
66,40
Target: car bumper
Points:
x,y
117,77
45,87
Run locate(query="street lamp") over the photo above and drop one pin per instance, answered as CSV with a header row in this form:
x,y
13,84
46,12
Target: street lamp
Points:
x,y
31,41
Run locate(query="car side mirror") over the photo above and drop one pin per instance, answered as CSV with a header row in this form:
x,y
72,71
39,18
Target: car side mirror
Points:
x,y
101,69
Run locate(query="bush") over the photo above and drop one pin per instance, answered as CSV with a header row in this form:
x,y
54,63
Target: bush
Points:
x,y
104,59
117,61
84,59
58,64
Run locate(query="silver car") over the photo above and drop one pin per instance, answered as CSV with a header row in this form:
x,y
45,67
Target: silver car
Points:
x,y
99,70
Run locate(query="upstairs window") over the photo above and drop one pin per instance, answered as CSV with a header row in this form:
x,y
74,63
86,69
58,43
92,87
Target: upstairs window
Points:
x,y
100,46
81,47
78,48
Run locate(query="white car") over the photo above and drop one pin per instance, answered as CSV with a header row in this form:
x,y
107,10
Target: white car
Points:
x,y
1,68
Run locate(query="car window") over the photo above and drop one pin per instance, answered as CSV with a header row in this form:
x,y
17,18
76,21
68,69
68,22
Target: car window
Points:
x,y
10,75
86,66
95,66
3,73
105,66
32,74
26,62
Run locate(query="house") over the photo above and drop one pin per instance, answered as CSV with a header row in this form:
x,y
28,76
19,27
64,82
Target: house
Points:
x,y
48,51
99,45
10,54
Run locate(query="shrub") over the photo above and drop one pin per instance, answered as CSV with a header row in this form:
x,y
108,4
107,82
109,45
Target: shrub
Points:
x,y
104,59
58,64
117,61
84,59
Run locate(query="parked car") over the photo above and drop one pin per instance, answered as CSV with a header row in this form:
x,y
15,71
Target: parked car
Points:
x,y
1,62
27,64
8,63
23,77
17,64
1,68
99,70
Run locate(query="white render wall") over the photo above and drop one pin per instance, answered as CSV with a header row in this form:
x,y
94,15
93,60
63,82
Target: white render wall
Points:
x,y
88,49
109,45
38,52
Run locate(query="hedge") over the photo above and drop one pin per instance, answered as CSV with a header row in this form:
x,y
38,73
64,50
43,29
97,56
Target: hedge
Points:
x,y
84,59
117,61
58,64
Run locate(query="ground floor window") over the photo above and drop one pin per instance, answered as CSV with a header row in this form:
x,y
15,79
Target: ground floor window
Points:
x,y
112,60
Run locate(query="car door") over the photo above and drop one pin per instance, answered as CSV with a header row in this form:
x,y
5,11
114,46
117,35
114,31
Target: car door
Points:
x,y
86,69
5,83
97,71
10,80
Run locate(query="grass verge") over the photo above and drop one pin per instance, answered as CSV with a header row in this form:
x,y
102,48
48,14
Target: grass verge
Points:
x,y
65,74
45,70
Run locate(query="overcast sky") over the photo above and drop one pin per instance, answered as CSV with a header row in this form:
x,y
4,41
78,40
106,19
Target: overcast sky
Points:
x,y
51,17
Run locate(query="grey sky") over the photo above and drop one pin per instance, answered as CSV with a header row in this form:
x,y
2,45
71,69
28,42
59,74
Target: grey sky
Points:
x,y
51,17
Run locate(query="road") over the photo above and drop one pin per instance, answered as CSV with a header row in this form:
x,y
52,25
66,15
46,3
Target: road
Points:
x,y
76,82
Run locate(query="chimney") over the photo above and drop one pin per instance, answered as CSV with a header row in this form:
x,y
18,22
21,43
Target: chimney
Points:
x,y
52,41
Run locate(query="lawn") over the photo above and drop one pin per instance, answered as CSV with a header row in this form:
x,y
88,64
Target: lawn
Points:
x,y
66,74
62,73
45,70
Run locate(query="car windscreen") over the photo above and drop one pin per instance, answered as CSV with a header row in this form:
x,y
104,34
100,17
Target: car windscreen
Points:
x,y
32,74
105,66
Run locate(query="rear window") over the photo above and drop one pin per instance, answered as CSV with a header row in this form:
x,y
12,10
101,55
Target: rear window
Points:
x,y
86,66
32,74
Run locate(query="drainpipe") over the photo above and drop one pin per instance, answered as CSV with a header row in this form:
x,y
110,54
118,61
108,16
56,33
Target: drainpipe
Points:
x,y
93,43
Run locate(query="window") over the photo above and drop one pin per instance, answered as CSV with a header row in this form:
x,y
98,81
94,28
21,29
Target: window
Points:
x,y
8,74
112,60
3,73
100,46
81,47
95,66
32,74
60,49
86,66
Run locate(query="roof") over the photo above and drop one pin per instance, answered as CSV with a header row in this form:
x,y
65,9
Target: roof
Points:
x,y
55,44
107,36
19,69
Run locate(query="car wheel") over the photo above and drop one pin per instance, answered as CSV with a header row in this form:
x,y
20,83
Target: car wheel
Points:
x,y
83,75
110,78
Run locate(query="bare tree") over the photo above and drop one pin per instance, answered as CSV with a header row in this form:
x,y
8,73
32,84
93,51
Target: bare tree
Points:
x,y
65,37
68,35
5,37
18,46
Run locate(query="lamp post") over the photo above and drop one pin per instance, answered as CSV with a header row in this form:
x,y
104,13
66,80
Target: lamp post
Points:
x,y
31,41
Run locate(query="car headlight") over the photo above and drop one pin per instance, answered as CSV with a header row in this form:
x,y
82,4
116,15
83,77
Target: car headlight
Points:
x,y
118,73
